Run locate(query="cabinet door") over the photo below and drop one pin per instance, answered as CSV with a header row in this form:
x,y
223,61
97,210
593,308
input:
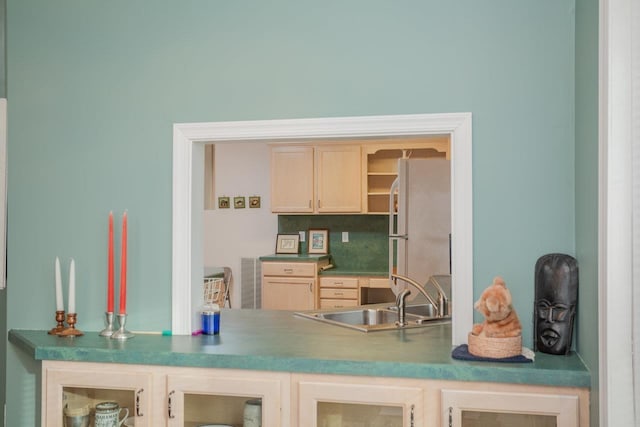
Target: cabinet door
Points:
x,y
378,403
494,409
288,293
223,397
292,179
339,178
76,384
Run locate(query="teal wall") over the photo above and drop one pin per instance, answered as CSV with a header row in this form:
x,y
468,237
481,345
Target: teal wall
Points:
x,y
587,189
94,88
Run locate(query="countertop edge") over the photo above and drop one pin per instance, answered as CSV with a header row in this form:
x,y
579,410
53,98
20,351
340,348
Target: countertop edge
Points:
x,y
457,371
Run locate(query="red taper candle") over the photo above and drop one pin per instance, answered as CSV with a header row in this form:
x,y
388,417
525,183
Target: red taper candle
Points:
x,y
123,267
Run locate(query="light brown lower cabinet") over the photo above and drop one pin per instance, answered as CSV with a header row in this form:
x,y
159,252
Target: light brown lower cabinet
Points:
x,y
75,384
339,292
467,408
290,285
345,401
175,396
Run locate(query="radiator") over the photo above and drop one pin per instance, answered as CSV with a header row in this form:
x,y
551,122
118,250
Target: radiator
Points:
x,y
251,283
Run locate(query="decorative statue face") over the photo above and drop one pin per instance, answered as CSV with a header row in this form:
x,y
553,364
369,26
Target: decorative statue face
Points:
x,y
556,281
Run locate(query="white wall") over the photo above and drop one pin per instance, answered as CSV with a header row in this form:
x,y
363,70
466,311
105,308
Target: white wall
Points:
x,y
241,169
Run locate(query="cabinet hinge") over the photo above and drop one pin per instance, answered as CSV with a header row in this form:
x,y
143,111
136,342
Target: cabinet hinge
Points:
x,y
138,411
169,409
411,416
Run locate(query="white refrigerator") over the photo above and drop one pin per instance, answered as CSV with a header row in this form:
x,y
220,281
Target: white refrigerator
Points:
x,y
420,221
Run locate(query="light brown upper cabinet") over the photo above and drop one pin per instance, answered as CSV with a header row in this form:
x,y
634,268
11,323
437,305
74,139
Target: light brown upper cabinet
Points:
x,y
292,187
316,179
332,177
338,173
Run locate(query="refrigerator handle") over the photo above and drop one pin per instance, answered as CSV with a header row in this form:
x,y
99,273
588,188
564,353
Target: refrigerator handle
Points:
x,y
392,205
392,230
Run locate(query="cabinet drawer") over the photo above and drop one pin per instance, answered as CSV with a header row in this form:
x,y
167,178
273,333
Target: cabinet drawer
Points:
x,y
339,282
337,303
305,269
377,282
339,293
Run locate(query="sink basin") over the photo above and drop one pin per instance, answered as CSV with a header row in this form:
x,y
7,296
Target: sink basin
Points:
x,y
376,318
365,316
425,310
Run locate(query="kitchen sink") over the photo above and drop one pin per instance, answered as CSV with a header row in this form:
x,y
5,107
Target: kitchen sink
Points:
x,y
425,310
365,316
376,318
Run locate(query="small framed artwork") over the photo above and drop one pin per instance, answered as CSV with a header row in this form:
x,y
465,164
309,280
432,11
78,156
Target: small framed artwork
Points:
x,y
224,202
318,241
254,202
287,243
238,202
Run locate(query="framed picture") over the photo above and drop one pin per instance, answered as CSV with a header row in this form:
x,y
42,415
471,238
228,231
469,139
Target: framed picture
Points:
x,y
254,202
318,241
224,203
287,243
238,202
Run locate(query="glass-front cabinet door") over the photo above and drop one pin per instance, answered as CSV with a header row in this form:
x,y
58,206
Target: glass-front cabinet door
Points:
x,y
325,401
494,409
226,397
74,389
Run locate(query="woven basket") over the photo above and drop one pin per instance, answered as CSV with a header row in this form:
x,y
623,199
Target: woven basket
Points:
x,y
496,348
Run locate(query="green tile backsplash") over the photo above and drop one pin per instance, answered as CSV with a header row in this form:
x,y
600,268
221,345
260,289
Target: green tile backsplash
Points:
x,y
367,249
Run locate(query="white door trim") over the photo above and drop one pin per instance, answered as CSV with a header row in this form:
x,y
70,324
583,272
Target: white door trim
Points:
x,y
615,278
456,125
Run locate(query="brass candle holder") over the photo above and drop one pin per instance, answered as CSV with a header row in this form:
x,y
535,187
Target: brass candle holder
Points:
x,y
122,333
60,326
108,331
71,331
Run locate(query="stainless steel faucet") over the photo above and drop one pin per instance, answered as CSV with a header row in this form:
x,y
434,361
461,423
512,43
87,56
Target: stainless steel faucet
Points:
x,y
441,306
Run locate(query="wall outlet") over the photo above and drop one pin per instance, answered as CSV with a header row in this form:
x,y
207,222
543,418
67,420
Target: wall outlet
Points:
x,y
345,237
302,236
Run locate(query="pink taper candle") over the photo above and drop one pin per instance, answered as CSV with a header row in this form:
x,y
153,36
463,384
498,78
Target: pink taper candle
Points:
x,y
123,267
110,267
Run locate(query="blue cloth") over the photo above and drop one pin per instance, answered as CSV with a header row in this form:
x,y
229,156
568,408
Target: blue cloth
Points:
x,y
461,352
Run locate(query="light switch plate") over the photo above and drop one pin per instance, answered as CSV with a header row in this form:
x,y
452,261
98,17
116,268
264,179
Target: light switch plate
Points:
x,y
302,236
345,236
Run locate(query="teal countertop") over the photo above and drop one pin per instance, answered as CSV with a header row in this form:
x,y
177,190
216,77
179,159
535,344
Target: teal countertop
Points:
x,y
279,341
